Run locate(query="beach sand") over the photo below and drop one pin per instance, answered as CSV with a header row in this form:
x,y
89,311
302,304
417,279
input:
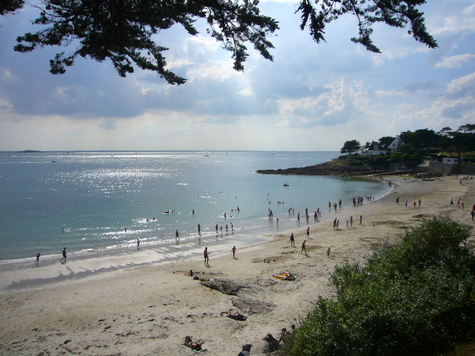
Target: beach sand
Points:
x,y
148,310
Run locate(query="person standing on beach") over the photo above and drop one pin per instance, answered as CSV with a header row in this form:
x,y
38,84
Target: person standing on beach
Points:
x,y
65,256
177,235
138,244
206,256
308,232
292,240
234,251
303,247
328,252
199,229
38,257
361,219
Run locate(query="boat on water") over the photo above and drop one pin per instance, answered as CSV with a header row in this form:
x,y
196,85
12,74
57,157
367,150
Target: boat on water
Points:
x,y
206,155
286,185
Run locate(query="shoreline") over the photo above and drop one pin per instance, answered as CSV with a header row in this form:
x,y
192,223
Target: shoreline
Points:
x,y
150,309
22,273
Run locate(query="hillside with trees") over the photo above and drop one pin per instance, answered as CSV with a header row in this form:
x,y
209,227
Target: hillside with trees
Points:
x,y
414,148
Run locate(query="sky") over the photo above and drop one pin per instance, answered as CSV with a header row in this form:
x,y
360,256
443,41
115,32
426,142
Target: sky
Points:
x,y
312,97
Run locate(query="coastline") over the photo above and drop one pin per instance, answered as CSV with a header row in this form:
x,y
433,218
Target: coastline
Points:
x,y
149,309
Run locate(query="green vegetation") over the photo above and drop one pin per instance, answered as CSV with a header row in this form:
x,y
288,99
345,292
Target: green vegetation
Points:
x,y
413,298
350,146
414,148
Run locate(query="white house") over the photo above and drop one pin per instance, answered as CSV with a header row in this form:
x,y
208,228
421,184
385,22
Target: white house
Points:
x,y
373,148
393,146
450,160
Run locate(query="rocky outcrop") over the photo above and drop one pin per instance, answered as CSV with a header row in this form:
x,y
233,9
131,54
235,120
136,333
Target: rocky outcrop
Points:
x,y
225,286
323,169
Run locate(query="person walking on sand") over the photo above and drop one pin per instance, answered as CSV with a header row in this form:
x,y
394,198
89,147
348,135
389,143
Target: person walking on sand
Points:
x,y
292,240
308,232
206,256
361,219
304,249
65,256
234,251
38,260
328,252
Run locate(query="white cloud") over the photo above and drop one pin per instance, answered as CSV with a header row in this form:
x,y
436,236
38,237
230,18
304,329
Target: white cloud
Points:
x,y
454,108
216,71
200,44
464,86
456,22
456,61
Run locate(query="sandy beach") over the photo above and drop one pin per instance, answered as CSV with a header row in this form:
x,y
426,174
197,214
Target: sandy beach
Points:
x,y
148,310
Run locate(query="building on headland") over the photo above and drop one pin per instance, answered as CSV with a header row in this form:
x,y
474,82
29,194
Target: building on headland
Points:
x,y
373,148
394,146
451,160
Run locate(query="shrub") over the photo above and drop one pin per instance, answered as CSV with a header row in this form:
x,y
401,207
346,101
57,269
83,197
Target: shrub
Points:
x,y
414,298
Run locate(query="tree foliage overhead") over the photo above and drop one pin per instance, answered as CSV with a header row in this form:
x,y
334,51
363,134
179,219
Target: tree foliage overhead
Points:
x,y
10,6
122,30
317,14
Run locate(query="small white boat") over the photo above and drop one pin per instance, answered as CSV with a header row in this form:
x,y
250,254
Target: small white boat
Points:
x,y
206,155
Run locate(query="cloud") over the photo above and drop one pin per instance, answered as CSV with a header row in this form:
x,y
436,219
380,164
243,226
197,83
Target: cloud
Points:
x,y
428,85
456,18
457,61
455,107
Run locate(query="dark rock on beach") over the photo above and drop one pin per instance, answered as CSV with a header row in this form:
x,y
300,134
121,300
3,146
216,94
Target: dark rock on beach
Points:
x,y
223,285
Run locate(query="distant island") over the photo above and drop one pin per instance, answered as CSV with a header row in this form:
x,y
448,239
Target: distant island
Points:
x,y
31,151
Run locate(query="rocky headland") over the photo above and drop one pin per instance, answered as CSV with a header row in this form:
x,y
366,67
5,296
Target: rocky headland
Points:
x,y
322,169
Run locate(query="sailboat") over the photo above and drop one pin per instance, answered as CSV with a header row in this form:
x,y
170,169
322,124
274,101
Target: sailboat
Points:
x,y
206,155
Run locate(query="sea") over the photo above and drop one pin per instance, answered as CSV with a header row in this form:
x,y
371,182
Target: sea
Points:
x,y
102,202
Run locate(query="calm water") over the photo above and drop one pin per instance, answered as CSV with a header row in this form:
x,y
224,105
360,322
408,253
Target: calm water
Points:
x,y
96,196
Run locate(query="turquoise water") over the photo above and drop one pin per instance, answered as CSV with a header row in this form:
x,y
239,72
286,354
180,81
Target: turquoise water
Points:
x,y
104,201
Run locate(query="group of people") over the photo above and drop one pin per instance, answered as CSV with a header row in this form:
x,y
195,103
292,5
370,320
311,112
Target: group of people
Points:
x,y
64,258
304,248
349,223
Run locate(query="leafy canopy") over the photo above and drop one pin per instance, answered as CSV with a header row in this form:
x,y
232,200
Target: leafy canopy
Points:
x,y
122,30
350,146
